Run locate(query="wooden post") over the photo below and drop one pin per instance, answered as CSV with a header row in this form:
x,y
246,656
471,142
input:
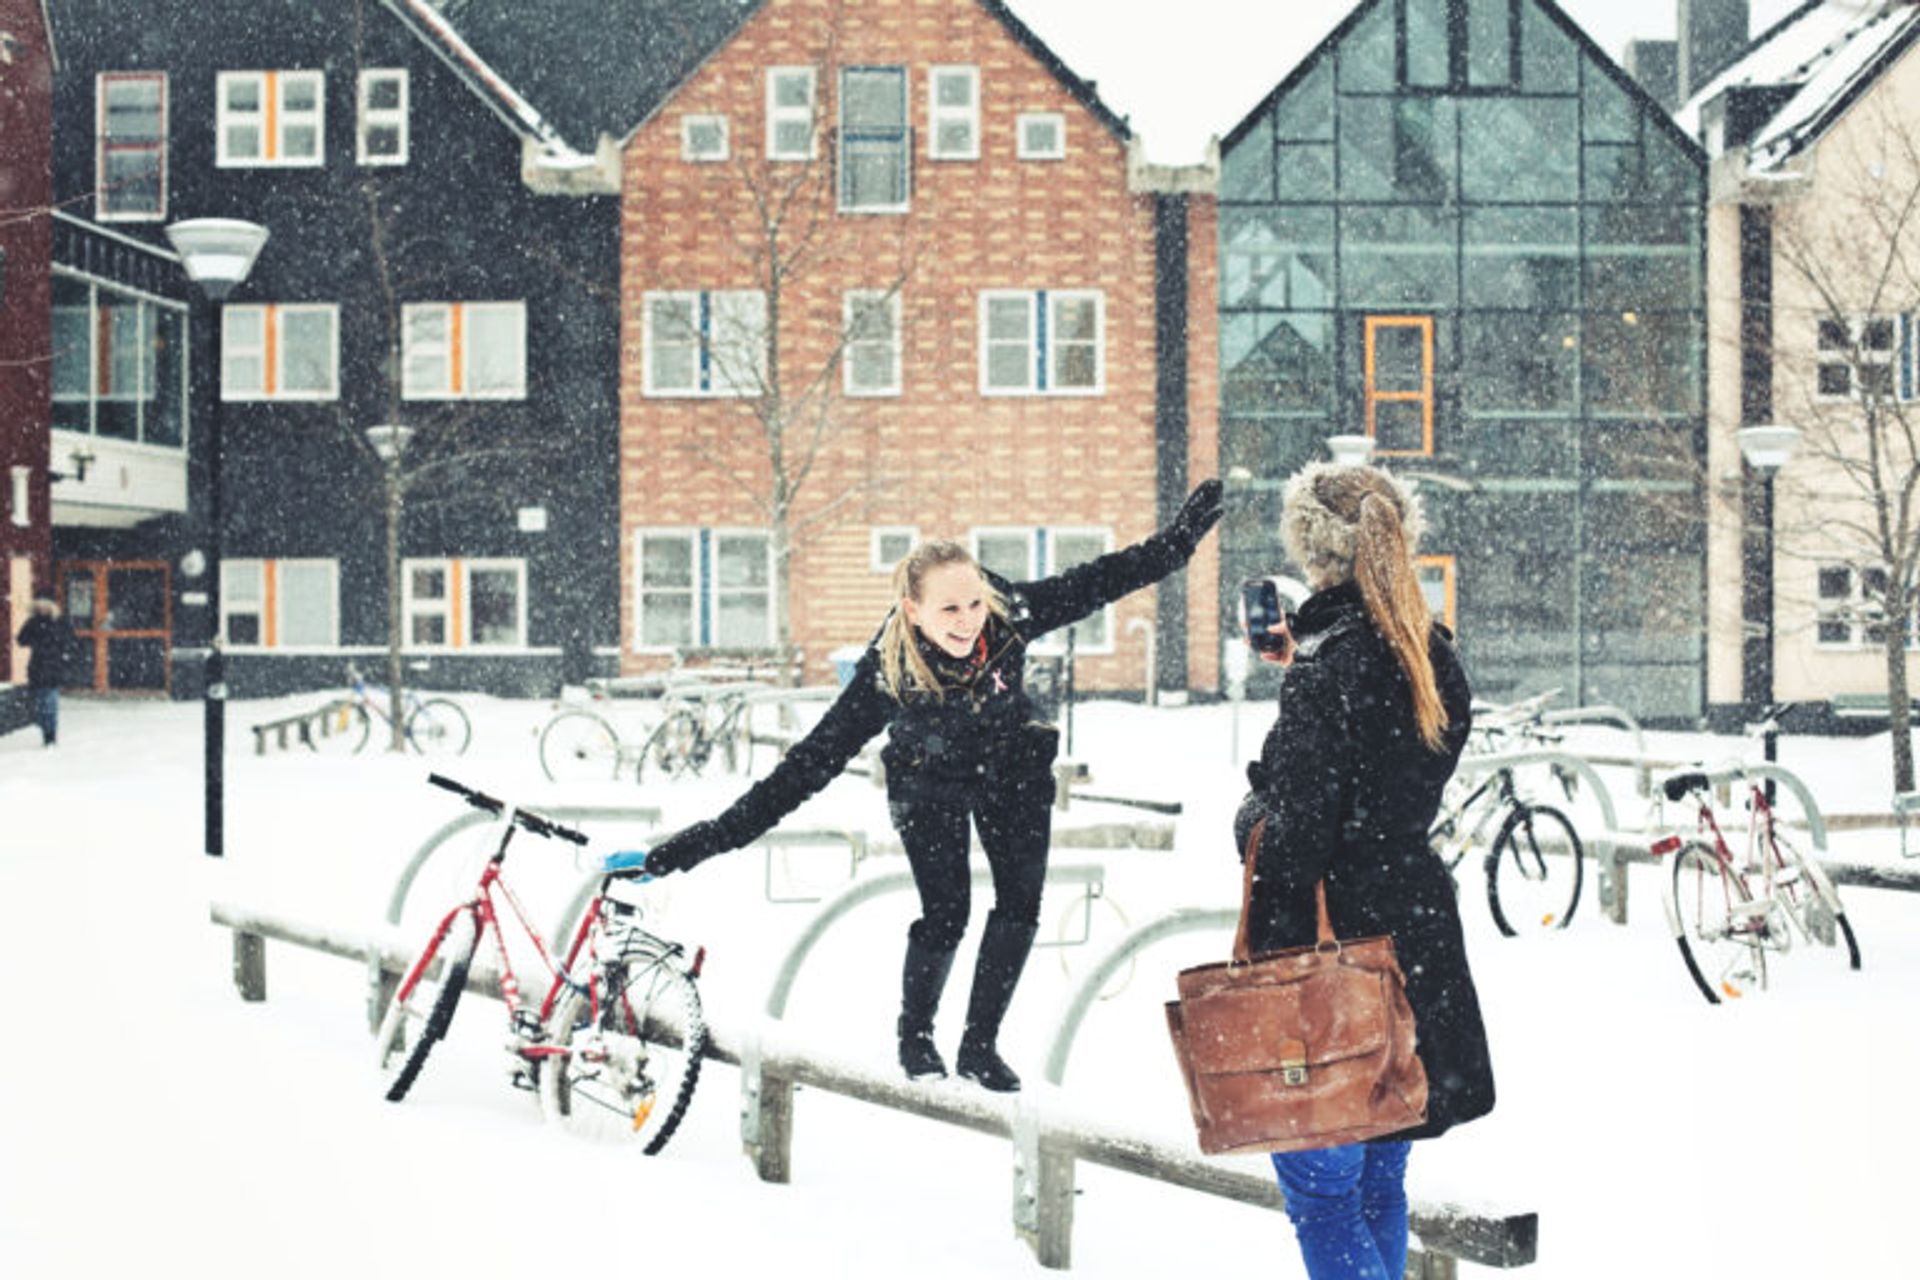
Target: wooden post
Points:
x,y
773,1151
250,965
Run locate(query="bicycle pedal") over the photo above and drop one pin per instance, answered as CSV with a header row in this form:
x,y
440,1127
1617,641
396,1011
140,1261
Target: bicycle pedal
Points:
x,y
523,1078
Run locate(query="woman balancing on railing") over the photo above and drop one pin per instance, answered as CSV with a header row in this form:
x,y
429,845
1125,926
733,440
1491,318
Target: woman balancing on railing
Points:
x,y
965,749
1372,719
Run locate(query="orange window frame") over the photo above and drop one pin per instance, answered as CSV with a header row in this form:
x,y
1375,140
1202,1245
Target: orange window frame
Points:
x,y
1424,396
1447,567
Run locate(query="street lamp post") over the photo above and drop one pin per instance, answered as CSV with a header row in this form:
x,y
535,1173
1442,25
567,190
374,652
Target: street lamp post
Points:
x,y
217,254
1766,448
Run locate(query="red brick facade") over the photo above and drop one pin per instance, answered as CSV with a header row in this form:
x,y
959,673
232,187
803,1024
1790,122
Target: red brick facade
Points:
x,y
940,457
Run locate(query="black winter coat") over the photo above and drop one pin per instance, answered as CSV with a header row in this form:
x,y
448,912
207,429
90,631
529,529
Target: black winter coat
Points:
x,y
1350,791
49,638
981,731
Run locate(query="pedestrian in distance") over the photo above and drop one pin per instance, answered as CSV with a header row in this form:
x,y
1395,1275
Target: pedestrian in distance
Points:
x,y
49,636
1373,715
965,751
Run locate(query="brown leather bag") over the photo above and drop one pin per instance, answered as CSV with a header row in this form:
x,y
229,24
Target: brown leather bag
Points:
x,y
1292,1050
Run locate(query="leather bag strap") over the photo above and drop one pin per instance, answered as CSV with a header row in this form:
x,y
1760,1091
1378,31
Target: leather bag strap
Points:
x,y
1323,923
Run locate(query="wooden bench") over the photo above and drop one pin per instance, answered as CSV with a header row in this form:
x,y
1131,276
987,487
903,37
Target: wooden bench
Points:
x,y
301,724
1866,706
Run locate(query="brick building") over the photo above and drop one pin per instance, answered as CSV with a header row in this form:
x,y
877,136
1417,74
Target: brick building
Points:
x,y
892,271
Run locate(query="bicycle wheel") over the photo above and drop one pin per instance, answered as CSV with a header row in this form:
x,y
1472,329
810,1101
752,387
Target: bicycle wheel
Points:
x,y
438,727
1534,870
422,1007
341,730
1712,916
1813,901
579,746
631,1052
677,745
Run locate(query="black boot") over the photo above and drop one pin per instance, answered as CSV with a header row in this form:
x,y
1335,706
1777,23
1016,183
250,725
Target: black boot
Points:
x,y
1003,954
922,980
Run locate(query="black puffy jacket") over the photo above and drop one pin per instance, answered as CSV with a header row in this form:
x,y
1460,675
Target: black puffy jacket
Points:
x,y
980,730
1349,792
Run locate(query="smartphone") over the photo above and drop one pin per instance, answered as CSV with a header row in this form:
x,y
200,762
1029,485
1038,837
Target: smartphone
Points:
x,y
1264,602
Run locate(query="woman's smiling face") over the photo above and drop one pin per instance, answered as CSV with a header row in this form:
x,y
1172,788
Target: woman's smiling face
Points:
x,y
952,608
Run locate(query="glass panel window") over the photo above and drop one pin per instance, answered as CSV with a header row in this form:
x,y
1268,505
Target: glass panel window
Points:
x,y
1277,257
1521,257
118,363
890,545
704,343
1022,554
280,352
309,603
130,146
1246,169
267,118
1304,170
1856,357
1641,363
742,590
1072,547
664,563
243,602
790,133
494,604
1520,363
1277,364
1548,60
1427,43
1306,113
381,135
1398,256
1850,607
1399,383
463,350
1041,135
703,138
1367,59
1042,343
454,603
427,602
953,113
1007,552
874,150
1489,43
279,604
1519,149
871,360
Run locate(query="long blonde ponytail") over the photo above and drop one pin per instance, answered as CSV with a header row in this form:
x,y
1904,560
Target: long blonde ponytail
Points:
x,y
1359,523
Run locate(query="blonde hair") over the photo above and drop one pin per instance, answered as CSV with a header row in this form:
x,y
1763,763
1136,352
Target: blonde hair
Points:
x,y
1360,524
902,666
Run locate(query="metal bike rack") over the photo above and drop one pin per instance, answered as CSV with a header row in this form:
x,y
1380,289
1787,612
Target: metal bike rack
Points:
x,y
1619,717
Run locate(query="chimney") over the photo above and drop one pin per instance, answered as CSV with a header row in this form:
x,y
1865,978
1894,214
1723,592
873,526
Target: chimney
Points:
x,y
1712,34
1652,66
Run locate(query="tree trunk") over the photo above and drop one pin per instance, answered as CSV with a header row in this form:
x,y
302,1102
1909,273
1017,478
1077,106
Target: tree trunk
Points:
x,y
396,695
1898,719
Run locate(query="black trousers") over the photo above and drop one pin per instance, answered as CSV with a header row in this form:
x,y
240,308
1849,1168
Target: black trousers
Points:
x,y
1015,824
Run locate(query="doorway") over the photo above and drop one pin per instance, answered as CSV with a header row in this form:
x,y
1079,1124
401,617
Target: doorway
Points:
x,y
121,612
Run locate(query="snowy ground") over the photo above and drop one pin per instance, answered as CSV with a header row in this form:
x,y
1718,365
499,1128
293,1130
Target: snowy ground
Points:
x,y
151,1121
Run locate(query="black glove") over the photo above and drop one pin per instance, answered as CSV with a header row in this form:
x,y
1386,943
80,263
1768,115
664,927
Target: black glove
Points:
x,y
1196,516
686,848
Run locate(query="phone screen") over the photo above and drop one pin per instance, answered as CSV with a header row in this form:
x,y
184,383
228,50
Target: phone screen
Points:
x,y
1260,610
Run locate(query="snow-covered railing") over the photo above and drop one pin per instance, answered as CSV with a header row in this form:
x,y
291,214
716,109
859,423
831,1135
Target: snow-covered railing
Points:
x,y
1048,1136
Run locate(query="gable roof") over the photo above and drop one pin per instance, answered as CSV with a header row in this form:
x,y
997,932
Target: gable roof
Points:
x,y
1828,55
566,72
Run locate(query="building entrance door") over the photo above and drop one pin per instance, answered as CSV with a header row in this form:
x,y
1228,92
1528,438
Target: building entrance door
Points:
x,y
121,613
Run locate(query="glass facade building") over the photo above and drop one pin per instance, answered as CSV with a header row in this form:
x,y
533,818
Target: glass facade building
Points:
x,y
1459,229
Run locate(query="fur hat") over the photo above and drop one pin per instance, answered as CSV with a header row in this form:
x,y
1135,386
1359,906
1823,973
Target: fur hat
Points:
x,y
1322,541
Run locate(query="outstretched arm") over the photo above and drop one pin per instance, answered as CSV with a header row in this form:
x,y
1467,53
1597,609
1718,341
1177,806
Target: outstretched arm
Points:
x,y
861,711
1070,596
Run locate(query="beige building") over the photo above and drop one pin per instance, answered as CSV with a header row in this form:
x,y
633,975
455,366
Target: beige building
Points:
x,y
1813,285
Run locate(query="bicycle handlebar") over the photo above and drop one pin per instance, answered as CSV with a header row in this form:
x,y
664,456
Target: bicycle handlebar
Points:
x,y
520,817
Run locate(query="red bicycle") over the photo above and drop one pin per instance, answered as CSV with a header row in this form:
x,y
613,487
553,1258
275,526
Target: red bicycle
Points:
x,y
1730,912
614,1047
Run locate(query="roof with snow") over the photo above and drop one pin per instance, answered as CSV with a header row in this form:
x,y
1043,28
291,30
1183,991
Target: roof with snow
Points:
x,y
564,72
1822,56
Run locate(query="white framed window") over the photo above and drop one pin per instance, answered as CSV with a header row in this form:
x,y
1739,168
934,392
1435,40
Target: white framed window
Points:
x,y
1856,357
381,133
1040,135
280,604
269,118
1042,342
702,588
130,146
870,359
875,141
456,603
280,351
1850,609
953,113
703,139
1022,553
790,134
463,351
704,342
889,544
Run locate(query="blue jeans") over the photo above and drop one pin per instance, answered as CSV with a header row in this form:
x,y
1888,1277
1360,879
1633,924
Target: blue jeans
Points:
x,y
1349,1209
46,713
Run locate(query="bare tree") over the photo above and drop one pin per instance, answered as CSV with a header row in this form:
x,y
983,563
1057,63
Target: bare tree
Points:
x,y
789,415
1853,256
